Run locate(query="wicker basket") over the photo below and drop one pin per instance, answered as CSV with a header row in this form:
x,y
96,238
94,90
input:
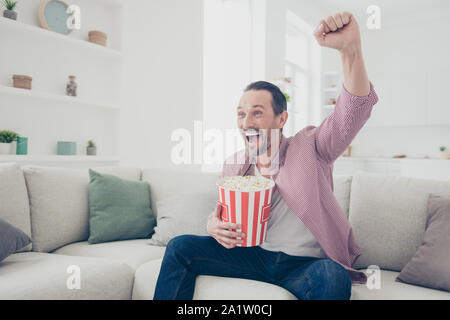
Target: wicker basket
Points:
x,y
22,82
98,37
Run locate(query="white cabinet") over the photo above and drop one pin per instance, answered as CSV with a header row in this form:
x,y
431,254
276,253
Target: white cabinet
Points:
x,y
436,169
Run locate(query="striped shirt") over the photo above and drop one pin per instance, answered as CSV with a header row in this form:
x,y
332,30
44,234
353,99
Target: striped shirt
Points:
x,y
303,176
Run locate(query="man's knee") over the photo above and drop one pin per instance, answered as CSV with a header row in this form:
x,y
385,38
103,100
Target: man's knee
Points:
x,y
331,281
181,243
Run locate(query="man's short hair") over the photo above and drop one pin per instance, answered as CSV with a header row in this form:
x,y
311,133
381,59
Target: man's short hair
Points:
x,y
279,103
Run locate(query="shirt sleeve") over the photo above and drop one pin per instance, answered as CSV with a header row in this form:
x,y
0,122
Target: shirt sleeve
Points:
x,y
337,131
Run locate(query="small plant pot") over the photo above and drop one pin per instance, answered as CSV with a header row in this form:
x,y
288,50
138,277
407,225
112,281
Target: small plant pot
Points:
x,y
10,14
22,82
91,151
5,148
444,155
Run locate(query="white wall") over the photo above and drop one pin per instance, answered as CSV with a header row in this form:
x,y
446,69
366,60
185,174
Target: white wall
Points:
x,y
161,77
162,72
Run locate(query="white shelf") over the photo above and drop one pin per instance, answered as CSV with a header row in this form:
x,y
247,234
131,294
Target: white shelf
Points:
x,y
329,106
54,97
330,89
40,32
56,158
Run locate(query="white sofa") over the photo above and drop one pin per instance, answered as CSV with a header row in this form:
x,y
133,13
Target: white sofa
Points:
x,y
51,205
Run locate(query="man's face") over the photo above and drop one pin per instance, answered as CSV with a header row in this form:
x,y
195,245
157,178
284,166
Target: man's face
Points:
x,y
255,117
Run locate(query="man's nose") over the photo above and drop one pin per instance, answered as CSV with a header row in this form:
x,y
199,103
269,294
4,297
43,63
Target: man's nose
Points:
x,y
248,122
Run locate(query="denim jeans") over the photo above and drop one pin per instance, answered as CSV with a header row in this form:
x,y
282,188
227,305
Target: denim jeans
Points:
x,y
188,256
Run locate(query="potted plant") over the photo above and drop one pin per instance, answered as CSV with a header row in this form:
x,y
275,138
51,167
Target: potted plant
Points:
x,y
91,149
288,98
6,138
9,12
444,154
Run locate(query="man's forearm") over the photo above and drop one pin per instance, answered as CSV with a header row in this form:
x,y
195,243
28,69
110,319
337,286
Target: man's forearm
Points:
x,y
355,76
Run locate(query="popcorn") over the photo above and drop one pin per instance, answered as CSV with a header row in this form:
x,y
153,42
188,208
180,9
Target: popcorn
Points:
x,y
247,201
245,184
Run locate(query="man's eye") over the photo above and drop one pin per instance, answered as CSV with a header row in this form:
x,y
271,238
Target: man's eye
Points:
x,y
258,113
240,114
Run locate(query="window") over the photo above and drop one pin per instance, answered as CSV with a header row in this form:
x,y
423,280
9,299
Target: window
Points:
x,y
302,67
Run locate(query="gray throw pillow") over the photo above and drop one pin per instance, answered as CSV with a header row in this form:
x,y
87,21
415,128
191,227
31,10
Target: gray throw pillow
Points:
x,y
430,266
11,239
182,214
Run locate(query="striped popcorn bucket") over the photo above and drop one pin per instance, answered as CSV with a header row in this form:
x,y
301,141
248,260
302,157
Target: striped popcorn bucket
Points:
x,y
250,209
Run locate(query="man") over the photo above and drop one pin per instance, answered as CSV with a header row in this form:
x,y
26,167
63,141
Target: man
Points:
x,y
310,248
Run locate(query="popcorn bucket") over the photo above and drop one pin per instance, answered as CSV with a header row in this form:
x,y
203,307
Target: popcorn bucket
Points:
x,y
249,207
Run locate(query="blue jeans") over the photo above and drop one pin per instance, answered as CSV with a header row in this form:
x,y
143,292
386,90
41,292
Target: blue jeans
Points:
x,y
188,256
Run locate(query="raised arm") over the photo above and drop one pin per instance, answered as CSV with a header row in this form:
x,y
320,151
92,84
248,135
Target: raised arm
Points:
x,y
357,97
341,32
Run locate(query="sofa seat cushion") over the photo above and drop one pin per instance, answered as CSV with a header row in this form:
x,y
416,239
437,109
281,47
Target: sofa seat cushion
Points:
x,y
394,290
221,288
132,252
209,287
43,276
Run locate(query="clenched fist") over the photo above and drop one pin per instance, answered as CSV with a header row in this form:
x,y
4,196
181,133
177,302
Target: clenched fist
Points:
x,y
339,31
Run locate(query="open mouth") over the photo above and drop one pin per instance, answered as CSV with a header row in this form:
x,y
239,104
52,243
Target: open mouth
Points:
x,y
252,136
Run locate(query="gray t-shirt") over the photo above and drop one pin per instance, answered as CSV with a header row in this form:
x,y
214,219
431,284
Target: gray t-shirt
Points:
x,y
287,233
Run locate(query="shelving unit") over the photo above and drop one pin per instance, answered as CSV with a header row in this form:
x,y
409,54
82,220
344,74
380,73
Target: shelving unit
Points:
x,y
54,97
55,158
50,35
45,114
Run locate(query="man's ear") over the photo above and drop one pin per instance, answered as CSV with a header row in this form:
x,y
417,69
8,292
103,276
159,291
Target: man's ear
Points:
x,y
282,118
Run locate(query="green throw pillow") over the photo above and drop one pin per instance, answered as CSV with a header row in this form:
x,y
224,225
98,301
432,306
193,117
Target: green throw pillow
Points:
x,y
119,209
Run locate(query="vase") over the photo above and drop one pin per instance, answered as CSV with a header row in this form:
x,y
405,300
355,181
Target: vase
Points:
x,y
71,88
22,145
91,151
10,14
5,148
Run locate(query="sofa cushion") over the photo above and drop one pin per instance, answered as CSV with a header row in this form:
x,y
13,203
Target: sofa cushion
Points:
x,y
44,276
171,182
14,207
209,287
388,215
430,266
389,289
182,214
59,203
11,239
119,209
341,189
132,252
